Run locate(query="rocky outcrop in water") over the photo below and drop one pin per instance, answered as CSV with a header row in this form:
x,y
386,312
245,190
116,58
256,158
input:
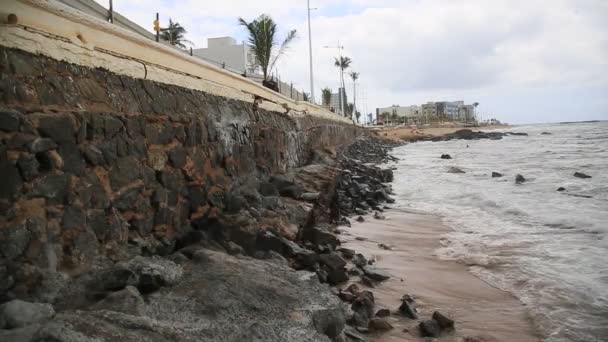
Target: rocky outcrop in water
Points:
x,y
467,134
581,175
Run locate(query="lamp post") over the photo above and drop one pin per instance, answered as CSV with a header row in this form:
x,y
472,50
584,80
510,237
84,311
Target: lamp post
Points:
x,y
341,75
312,83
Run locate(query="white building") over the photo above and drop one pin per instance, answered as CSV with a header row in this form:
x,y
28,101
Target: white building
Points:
x,y
335,104
410,112
226,53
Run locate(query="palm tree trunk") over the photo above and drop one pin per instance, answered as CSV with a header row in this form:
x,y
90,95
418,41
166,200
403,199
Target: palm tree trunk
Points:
x,y
354,99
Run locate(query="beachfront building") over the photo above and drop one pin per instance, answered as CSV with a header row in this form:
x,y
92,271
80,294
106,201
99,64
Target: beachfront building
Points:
x,y
396,113
335,105
466,113
441,111
448,110
429,111
226,53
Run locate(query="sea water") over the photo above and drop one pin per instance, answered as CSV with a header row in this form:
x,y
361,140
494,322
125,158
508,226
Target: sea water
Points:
x,y
548,248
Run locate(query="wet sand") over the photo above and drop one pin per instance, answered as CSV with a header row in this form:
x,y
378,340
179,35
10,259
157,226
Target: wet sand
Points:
x,y
478,309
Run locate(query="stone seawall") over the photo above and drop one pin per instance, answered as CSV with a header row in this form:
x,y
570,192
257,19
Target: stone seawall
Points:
x,y
97,167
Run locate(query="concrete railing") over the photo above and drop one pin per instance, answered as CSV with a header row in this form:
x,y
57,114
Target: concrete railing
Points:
x,y
55,30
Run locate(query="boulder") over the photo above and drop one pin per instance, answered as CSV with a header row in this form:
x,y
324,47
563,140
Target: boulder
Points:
x,y
333,261
320,235
519,179
379,324
455,169
153,272
429,328
110,280
379,216
446,156
375,273
329,322
561,188
310,196
41,145
338,276
363,308
306,258
581,175
359,260
496,174
18,313
268,241
346,296
128,301
385,246
407,308
383,313
10,120
444,322
347,253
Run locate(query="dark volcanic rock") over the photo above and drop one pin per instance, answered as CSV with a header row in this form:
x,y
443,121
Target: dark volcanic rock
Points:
x,y
320,235
429,328
446,156
444,322
561,188
363,308
41,145
581,175
455,169
383,313
496,174
11,180
379,324
59,128
519,179
359,260
17,313
9,120
375,274
407,309
333,261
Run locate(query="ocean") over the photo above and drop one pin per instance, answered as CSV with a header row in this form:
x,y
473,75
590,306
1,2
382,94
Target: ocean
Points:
x,y
548,248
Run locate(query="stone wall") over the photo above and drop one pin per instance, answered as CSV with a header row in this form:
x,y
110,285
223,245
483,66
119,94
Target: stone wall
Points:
x,y
97,167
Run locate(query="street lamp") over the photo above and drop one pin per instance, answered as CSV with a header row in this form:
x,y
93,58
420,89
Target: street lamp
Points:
x,y
341,75
312,85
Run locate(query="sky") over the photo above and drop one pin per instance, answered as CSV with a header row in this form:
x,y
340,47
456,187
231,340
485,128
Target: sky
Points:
x,y
524,61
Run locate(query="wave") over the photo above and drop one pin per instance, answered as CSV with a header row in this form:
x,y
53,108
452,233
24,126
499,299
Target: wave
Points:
x,y
546,247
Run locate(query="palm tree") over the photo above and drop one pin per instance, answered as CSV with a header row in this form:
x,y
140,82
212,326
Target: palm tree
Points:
x,y
342,63
326,96
175,34
354,76
262,37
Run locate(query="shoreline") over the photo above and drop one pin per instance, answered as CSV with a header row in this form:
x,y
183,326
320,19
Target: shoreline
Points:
x,y
481,311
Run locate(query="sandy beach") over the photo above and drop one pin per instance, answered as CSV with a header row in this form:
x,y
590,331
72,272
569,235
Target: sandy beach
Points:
x,y
479,310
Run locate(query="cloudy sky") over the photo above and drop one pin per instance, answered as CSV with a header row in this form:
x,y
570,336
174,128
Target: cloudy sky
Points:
x,y
524,61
